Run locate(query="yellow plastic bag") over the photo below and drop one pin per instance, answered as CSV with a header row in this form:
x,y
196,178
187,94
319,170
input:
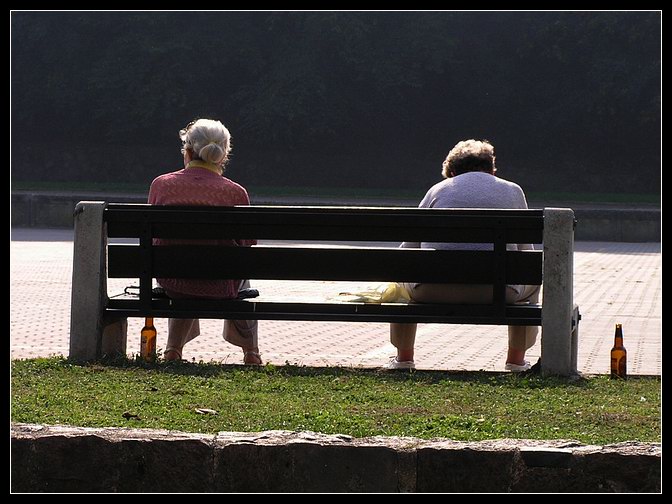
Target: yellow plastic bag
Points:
x,y
385,293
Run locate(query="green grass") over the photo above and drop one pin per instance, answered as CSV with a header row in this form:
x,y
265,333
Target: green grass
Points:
x,y
104,187
463,406
592,197
337,192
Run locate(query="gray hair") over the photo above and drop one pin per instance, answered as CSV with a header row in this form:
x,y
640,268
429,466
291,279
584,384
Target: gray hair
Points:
x,y
209,141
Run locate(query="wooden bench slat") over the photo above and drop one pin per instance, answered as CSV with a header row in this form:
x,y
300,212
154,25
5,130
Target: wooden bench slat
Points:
x,y
118,212
356,264
265,310
326,223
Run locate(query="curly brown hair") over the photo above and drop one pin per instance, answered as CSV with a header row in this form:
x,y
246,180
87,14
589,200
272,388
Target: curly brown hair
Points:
x,y
470,155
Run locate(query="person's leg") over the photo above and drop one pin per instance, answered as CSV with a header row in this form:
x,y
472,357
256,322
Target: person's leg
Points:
x,y
402,336
244,333
521,338
452,293
180,332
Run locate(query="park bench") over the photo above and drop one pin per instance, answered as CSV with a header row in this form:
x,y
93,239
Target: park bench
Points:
x,y
98,322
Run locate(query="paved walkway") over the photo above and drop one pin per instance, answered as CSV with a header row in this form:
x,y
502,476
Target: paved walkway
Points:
x,y
614,282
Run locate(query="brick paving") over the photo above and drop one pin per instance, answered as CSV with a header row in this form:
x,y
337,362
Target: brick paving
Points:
x,y
613,282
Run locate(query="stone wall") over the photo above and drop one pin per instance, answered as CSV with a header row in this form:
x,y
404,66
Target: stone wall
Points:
x,y
72,459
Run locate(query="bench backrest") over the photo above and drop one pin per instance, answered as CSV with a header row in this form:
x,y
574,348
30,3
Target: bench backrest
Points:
x,y
497,227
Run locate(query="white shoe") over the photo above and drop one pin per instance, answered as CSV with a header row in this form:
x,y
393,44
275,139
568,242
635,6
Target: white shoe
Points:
x,y
518,368
395,364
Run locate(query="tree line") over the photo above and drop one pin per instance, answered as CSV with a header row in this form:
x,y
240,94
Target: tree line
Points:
x,y
571,100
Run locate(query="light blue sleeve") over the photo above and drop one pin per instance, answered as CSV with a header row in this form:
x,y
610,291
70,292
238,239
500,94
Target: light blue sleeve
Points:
x,y
521,203
425,203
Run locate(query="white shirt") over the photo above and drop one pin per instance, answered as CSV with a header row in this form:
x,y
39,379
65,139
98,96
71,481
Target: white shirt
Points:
x,y
473,190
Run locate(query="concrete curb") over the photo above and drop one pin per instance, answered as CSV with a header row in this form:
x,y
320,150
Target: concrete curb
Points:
x,y
76,459
55,210
618,224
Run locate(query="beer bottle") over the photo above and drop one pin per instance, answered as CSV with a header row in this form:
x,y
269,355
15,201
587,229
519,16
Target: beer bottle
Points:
x,y
619,356
148,340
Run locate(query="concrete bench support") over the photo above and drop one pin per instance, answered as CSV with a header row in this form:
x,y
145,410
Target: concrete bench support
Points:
x,y
559,340
92,334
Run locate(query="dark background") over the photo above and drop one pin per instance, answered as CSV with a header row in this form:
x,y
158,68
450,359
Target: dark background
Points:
x,y
571,100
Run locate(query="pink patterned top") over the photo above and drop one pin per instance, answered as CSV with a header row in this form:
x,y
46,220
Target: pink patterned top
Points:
x,y
197,185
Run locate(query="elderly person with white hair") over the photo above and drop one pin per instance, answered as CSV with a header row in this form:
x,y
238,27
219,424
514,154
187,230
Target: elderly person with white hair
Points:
x,y
206,144
470,182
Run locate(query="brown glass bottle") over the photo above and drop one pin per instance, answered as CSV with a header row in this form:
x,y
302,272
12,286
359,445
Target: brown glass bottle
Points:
x,y
148,340
619,357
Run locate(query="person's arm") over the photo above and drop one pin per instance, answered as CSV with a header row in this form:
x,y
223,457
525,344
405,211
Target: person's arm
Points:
x,y
425,203
153,193
243,199
521,203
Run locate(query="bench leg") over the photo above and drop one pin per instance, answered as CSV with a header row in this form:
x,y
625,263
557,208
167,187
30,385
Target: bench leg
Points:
x,y
576,317
558,343
89,282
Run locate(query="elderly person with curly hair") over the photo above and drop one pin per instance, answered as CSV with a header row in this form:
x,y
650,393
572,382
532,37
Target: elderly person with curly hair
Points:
x,y
206,144
470,182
